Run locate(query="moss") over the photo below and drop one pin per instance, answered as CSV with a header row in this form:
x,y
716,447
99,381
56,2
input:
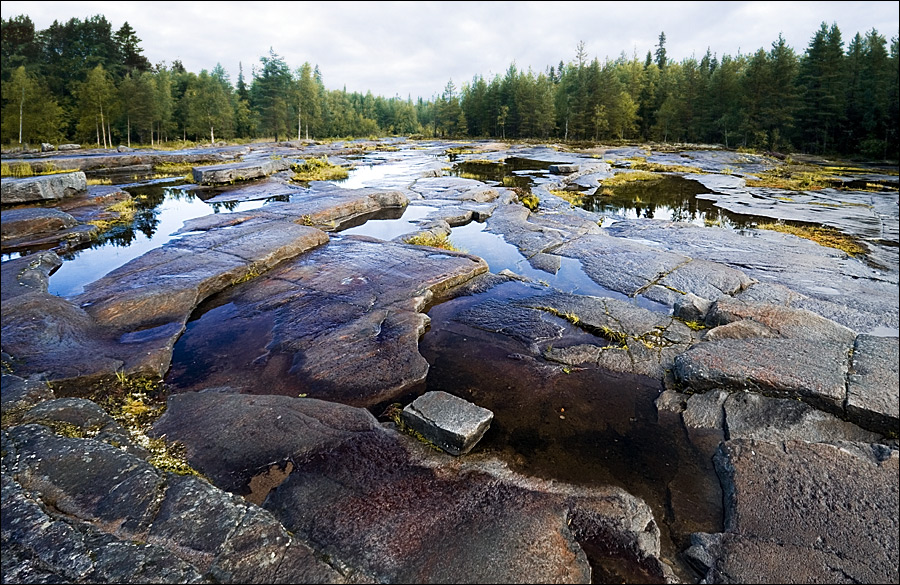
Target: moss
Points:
x,y
822,235
641,164
318,169
136,402
435,241
573,197
622,178
530,201
122,213
394,414
22,169
695,325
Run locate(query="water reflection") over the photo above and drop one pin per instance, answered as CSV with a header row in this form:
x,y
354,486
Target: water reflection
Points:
x,y
670,197
161,211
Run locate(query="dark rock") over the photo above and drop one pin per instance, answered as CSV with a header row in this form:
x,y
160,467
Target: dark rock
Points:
x,y
804,512
563,169
295,429
18,394
812,371
872,386
29,221
82,507
42,187
453,424
343,322
705,410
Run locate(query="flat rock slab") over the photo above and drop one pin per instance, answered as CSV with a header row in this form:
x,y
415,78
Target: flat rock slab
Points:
x,y
450,422
791,271
386,508
455,188
341,323
241,171
783,321
812,371
803,512
746,415
42,188
31,221
872,386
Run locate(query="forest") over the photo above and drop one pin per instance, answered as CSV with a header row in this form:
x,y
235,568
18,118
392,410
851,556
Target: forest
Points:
x,y
82,81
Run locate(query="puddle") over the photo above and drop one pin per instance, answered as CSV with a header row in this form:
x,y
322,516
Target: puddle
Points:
x,y
501,255
511,172
162,210
384,227
588,427
670,197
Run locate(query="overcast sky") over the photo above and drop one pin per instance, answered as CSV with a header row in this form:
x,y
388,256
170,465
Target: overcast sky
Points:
x,y
414,48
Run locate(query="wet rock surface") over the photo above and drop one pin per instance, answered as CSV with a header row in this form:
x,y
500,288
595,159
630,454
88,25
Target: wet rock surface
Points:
x,y
672,400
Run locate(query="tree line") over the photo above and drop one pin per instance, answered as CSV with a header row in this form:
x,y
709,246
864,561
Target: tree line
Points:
x,y
83,81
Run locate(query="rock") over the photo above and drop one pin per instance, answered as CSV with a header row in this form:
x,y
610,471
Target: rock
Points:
x,y
42,187
28,274
804,512
563,169
47,147
242,171
215,426
671,401
18,394
704,411
744,329
384,507
812,371
786,321
29,221
797,273
120,518
123,148
342,323
751,416
69,147
872,386
453,424
690,307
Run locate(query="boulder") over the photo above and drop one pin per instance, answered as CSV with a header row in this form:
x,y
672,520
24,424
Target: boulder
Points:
x,y
234,172
563,169
69,147
453,424
42,188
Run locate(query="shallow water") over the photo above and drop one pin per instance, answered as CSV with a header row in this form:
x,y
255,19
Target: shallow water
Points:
x,y
162,212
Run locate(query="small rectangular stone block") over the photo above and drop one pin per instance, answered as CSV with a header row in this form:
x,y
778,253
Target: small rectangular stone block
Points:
x,y
453,424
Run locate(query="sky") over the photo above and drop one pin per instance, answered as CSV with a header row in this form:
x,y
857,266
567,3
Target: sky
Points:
x,y
412,49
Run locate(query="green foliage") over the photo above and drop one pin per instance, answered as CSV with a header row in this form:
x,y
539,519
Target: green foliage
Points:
x,y
318,169
89,82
